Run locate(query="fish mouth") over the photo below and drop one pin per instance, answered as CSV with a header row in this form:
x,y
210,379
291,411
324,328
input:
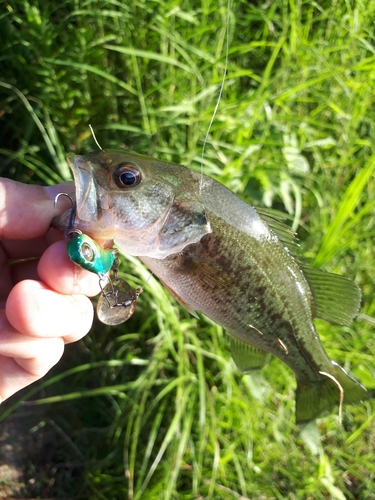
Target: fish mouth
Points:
x,y
88,206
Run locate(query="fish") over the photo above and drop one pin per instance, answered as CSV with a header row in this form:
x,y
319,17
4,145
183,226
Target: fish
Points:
x,y
220,256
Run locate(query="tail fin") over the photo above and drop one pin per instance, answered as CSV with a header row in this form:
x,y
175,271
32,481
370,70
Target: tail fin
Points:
x,y
314,399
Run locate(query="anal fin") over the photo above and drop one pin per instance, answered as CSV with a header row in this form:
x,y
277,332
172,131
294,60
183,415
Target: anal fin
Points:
x,y
247,357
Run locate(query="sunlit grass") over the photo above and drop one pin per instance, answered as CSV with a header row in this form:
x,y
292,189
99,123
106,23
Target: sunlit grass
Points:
x,y
156,408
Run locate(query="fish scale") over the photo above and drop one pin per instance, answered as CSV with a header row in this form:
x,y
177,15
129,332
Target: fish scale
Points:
x,y
236,303
220,256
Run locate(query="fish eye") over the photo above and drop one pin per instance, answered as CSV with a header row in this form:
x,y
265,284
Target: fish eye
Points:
x,y
127,175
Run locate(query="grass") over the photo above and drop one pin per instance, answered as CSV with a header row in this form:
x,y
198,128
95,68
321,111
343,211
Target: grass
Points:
x,y
156,408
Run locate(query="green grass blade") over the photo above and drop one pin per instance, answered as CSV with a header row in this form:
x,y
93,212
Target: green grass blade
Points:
x,y
345,216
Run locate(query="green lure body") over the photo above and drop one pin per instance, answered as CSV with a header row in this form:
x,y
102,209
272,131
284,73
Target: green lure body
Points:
x,y
86,253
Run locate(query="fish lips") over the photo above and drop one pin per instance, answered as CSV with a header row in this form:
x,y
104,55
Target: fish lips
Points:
x,y
87,196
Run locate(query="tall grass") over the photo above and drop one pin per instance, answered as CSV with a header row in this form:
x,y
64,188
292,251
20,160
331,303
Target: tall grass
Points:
x,y
156,408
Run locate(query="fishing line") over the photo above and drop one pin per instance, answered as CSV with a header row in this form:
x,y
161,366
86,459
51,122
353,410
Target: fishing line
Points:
x,y
340,388
220,93
95,139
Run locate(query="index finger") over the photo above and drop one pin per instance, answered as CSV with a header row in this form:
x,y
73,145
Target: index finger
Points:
x,y
26,211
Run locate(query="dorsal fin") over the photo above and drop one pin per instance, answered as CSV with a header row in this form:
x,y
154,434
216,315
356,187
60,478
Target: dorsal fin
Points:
x,y
337,299
276,221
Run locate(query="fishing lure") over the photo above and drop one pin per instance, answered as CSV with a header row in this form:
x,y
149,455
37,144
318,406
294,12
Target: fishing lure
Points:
x,y
86,253
117,301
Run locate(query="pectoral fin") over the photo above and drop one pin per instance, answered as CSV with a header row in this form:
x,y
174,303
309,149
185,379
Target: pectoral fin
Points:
x,y
247,357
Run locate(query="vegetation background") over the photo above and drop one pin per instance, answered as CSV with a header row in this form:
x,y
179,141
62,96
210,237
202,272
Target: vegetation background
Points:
x,y
155,408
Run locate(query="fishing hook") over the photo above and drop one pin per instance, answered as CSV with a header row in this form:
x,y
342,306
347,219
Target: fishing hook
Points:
x,y
69,232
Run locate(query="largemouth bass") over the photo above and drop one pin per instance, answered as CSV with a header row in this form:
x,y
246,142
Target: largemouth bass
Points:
x,y
220,256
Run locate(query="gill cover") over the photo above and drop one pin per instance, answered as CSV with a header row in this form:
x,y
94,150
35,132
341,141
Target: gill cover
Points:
x,y
149,208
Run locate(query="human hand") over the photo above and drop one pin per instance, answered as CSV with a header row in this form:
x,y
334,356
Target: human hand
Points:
x,y
44,301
